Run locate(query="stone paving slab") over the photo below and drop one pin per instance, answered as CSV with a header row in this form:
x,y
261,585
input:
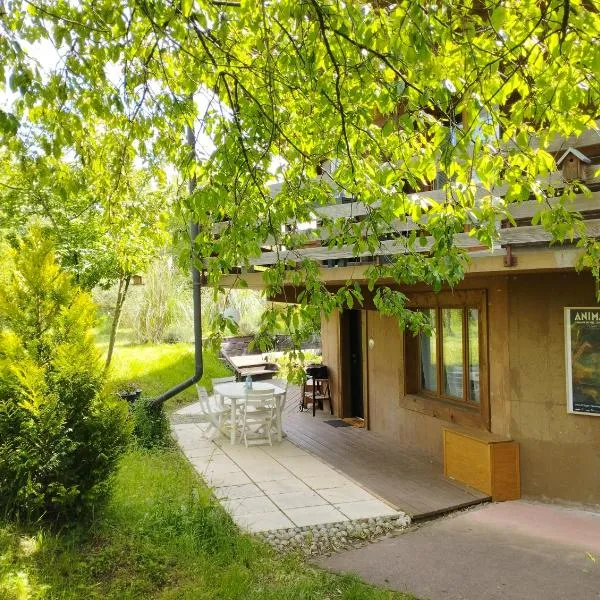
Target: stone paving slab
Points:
x,y
269,488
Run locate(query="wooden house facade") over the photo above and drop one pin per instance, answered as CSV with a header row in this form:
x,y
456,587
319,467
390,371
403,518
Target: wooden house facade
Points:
x,y
498,363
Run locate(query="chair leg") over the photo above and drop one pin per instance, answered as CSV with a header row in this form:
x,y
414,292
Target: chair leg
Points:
x,y
302,406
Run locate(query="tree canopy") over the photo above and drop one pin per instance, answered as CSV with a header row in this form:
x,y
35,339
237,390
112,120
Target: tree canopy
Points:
x,y
392,94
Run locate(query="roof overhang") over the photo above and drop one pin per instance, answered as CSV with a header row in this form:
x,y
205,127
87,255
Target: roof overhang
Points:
x,y
525,260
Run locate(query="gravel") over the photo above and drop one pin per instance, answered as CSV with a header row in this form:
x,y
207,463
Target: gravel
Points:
x,y
325,539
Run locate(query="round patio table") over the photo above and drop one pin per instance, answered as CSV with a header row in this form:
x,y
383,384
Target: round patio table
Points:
x,y
236,390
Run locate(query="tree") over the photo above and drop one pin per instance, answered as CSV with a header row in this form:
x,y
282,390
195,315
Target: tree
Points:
x,y
61,434
104,232
392,93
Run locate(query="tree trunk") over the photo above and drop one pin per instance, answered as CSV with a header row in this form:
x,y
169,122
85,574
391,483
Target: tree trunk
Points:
x,y
121,295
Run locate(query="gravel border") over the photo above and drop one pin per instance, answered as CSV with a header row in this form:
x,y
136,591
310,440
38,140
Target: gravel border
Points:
x,y
314,540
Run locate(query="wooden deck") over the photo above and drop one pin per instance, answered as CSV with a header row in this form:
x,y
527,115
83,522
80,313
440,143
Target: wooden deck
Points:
x,y
408,479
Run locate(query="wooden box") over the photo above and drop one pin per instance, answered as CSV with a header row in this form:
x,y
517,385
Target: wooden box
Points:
x,y
487,462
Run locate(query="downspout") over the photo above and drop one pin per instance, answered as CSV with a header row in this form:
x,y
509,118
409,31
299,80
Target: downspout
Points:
x,y
197,299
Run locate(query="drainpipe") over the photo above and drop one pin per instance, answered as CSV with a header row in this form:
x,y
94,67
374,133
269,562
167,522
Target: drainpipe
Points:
x,y
197,299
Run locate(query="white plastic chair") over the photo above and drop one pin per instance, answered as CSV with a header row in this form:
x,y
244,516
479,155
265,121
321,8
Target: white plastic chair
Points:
x,y
216,381
282,401
284,396
258,415
214,413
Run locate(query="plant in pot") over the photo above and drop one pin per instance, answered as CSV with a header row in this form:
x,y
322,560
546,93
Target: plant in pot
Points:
x,y
130,391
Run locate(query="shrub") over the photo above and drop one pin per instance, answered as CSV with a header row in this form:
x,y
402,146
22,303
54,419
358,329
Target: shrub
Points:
x,y
60,433
292,365
151,428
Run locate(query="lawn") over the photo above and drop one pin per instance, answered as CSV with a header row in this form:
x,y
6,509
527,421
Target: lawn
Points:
x,y
159,367
161,533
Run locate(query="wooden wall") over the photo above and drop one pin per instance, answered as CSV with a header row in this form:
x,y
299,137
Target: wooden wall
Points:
x,y
332,356
560,452
384,370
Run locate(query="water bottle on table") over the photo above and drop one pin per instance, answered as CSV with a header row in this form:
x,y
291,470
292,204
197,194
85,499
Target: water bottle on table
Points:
x,y
248,382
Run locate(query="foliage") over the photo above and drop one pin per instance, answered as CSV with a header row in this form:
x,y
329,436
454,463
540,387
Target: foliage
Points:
x,y
389,97
243,307
131,387
301,322
106,222
60,434
160,310
151,427
162,536
164,311
292,365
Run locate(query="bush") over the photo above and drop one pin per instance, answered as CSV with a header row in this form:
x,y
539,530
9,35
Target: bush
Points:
x,y
60,433
151,428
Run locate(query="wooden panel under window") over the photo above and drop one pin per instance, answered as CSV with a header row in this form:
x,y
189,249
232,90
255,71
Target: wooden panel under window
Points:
x,y
486,462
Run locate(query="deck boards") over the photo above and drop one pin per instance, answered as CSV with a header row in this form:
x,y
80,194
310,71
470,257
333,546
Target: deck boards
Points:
x,y
410,480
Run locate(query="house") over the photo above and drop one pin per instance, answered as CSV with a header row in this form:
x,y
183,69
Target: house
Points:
x,y
506,358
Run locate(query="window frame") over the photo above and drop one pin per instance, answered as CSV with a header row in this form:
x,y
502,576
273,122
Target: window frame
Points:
x,y
438,404
440,394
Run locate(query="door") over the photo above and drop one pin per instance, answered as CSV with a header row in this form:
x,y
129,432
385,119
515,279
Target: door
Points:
x,y
352,363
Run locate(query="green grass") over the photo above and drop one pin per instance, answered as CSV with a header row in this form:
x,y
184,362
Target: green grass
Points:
x,y
157,368
161,535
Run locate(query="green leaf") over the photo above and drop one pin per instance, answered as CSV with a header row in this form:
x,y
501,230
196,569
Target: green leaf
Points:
x,y
388,128
186,7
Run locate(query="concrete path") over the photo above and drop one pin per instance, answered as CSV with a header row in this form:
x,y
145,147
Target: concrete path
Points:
x,y
267,488
508,551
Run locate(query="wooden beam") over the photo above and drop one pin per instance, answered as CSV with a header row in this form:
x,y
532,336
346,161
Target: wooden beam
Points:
x,y
536,234
529,259
518,210
513,235
581,203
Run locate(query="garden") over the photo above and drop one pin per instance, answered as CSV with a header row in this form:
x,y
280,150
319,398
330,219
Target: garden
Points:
x,y
99,501
142,141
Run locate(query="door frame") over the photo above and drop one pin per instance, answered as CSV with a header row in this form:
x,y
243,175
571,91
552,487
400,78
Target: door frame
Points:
x,y
365,365
346,403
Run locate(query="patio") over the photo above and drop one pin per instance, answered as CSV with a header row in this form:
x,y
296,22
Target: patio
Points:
x,y
409,480
275,487
320,474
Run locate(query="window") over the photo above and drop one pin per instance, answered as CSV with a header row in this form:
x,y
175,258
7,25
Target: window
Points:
x,y
450,356
446,372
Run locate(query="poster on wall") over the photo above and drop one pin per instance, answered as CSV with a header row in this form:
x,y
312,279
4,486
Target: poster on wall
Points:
x,y
582,337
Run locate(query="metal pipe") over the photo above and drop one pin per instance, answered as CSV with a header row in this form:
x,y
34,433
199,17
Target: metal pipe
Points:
x,y
197,300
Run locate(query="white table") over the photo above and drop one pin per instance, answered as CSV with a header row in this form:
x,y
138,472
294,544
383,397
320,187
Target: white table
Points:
x,y
236,390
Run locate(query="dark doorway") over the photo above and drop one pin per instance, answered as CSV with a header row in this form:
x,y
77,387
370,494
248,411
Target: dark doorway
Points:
x,y
352,363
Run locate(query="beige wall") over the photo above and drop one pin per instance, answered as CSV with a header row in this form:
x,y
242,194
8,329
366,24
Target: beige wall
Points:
x,y
386,375
330,343
384,370
560,452
385,364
